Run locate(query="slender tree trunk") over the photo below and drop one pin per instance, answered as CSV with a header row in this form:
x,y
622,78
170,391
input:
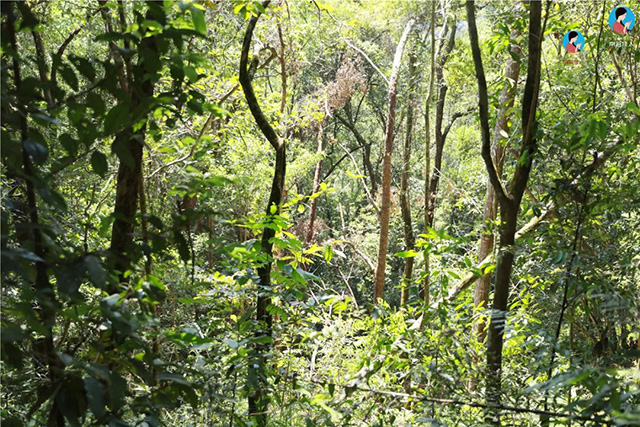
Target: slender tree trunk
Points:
x,y
366,146
43,71
258,399
283,70
144,224
509,200
45,297
481,294
405,205
316,185
440,136
385,208
424,289
123,248
366,159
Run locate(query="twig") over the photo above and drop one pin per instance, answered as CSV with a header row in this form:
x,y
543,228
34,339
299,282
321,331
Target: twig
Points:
x,y
361,52
364,184
456,402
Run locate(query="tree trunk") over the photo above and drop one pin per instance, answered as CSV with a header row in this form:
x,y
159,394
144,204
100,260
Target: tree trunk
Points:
x,y
509,200
440,137
424,289
123,248
42,67
405,205
481,294
385,208
316,185
366,147
45,299
258,400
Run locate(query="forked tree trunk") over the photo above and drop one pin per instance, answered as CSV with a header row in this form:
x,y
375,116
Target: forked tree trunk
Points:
x,y
258,398
440,136
481,294
385,208
509,201
405,205
366,146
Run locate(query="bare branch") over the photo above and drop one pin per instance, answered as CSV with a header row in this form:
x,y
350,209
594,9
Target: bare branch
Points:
x,y
361,52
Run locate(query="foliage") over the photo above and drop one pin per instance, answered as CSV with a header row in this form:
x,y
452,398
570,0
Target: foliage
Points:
x,y
174,340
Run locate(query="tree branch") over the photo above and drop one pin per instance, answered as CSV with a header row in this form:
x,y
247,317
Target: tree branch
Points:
x,y
364,184
361,52
245,81
483,105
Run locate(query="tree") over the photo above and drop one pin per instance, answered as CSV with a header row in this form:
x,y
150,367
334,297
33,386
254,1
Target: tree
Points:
x,y
138,85
405,205
450,26
258,400
385,206
509,199
499,148
45,300
424,289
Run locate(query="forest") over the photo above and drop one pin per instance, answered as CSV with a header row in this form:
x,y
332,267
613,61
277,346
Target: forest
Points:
x,y
320,213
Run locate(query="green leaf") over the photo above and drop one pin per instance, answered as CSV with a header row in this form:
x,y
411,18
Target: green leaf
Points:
x,y
264,339
197,16
117,391
183,247
99,163
84,66
116,118
97,274
191,74
69,278
406,254
95,396
633,108
37,151
176,378
231,343
328,253
121,149
69,76
96,103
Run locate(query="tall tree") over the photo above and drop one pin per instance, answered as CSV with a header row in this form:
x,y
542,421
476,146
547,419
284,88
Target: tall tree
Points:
x,y
424,289
316,183
499,147
509,198
385,207
440,133
45,300
405,205
258,399
138,87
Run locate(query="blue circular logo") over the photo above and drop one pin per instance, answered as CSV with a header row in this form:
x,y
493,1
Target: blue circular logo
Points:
x,y
621,20
573,41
